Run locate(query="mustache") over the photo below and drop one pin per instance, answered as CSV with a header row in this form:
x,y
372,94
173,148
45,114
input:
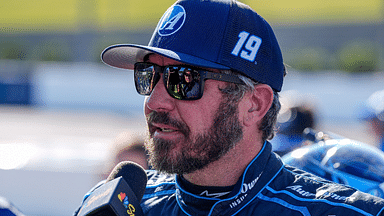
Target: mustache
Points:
x,y
164,118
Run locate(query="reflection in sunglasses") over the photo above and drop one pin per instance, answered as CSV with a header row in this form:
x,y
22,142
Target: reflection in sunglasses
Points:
x,y
173,84
181,82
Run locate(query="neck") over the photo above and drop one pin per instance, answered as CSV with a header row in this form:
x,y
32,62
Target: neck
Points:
x,y
227,170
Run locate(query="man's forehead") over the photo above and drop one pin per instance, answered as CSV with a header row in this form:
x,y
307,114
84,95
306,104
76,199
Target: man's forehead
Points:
x,y
161,60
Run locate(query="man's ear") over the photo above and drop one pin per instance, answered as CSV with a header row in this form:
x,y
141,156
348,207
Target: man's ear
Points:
x,y
258,103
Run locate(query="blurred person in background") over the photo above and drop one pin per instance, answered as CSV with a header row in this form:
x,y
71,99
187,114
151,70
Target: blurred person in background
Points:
x,y
210,153
126,147
297,113
373,114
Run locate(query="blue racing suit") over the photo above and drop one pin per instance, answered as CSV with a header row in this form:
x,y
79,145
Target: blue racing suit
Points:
x,y
267,187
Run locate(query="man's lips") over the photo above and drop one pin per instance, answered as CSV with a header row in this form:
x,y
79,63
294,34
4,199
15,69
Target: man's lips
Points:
x,y
161,124
162,128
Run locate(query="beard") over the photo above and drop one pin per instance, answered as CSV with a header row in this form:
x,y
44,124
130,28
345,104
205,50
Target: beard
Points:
x,y
197,151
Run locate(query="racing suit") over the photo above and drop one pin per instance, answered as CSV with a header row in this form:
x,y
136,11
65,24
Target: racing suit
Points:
x,y
267,187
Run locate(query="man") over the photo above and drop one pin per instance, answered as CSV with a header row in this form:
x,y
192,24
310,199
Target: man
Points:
x,y
191,87
373,115
216,143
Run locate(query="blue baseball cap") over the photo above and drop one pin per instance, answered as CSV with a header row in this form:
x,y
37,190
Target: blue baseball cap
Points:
x,y
219,34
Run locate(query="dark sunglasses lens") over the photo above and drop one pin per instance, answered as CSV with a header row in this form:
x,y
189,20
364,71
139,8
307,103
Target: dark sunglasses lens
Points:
x,y
145,78
183,83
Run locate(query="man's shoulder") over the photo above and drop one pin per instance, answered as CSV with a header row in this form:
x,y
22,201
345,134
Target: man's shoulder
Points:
x,y
159,184
299,173
160,187
156,178
303,188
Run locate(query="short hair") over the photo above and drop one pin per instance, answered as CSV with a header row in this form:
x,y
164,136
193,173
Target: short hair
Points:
x,y
237,91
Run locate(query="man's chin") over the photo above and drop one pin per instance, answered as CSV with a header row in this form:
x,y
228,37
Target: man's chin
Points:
x,y
172,165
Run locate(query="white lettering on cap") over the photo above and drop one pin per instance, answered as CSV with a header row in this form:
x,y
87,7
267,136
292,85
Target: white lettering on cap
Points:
x,y
172,20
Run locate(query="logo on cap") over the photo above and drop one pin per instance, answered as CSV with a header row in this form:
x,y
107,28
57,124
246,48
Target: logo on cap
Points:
x,y
172,20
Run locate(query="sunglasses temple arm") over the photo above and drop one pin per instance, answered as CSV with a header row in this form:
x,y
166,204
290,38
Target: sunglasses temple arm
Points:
x,y
222,77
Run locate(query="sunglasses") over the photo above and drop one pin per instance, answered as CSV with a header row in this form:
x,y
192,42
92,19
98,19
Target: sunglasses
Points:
x,y
181,81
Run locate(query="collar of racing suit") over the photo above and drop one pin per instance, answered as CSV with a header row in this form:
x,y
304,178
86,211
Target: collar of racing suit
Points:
x,y
253,180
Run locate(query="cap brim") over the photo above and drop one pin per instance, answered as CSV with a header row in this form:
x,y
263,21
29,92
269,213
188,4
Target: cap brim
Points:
x,y
126,55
